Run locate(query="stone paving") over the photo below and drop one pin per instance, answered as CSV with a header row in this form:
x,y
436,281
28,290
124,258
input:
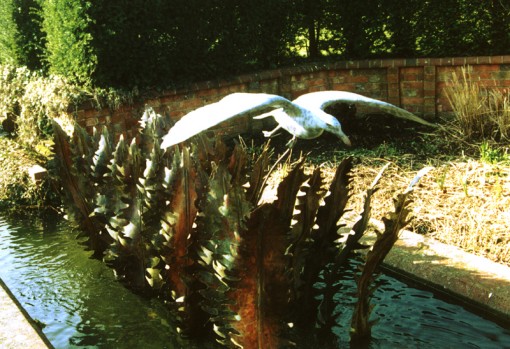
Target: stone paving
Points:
x,y
16,331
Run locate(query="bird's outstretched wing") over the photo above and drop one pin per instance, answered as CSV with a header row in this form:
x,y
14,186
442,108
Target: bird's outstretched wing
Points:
x,y
323,99
233,105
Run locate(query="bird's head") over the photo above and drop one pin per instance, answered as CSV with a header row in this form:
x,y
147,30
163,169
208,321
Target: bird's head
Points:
x,y
334,126
343,137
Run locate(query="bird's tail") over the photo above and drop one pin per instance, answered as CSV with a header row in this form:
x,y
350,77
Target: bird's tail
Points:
x,y
399,112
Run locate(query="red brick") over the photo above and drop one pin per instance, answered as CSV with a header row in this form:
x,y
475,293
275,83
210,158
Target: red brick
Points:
x,y
316,82
483,59
411,100
459,61
435,61
412,85
376,63
417,83
317,88
429,85
471,60
343,87
497,59
398,63
357,79
192,103
486,67
411,72
429,71
446,61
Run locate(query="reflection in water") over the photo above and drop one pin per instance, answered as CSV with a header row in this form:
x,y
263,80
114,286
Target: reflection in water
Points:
x,y
75,297
81,305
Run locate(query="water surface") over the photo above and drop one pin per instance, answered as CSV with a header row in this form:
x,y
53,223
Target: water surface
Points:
x,y
81,305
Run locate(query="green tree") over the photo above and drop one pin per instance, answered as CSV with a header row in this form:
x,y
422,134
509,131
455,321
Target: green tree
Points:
x,y
20,33
400,25
499,30
133,41
68,49
250,34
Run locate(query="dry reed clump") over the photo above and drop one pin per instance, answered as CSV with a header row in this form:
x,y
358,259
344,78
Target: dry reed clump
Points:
x,y
481,112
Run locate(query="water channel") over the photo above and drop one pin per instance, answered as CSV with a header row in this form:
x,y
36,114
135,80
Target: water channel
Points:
x,y
79,303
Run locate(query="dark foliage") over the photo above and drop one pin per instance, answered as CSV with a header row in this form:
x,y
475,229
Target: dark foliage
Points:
x,y
151,44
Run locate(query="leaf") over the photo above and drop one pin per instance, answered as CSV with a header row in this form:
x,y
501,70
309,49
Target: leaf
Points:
x,y
260,298
287,192
184,212
359,228
301,235
257,177
101,157
98,238
154,278
322,248
394,222
336,200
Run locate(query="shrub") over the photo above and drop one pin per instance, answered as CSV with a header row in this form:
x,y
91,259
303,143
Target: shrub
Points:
x,y
29,101
12,87
44,99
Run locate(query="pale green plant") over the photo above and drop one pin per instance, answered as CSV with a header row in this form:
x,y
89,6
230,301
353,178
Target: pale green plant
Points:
x,y
30,100
492,155
13,81
441,177
44,99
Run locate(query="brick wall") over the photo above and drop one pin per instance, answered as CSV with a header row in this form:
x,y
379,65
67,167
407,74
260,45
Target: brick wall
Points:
x,y
413,84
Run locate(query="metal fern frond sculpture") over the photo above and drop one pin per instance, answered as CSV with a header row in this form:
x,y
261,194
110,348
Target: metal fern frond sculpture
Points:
x,y
186,224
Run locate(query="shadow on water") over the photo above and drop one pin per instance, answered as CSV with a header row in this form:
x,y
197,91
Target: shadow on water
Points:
x,y
79,304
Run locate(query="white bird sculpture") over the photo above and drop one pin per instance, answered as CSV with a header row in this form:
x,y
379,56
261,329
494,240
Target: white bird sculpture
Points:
x,y
302,118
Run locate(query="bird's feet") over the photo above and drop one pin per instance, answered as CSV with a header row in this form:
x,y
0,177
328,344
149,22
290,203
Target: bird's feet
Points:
x,y
271,133
268,134
290,144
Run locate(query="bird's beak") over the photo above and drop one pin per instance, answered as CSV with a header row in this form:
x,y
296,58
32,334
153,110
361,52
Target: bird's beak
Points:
x,y
346,140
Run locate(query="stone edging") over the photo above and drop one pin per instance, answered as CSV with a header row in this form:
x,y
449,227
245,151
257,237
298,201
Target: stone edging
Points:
x,y
448,268
17,329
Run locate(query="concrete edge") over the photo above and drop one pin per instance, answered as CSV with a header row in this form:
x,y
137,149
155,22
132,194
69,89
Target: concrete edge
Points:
x,y
450,270
17,328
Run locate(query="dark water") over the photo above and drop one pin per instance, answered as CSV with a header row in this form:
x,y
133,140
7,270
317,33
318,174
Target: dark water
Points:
x,y
82,306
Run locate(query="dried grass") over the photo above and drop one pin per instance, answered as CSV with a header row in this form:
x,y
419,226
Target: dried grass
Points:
x,y
481,112
463,201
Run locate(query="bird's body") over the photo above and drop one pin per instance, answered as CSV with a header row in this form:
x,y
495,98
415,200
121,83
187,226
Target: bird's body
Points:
x,y
303,118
